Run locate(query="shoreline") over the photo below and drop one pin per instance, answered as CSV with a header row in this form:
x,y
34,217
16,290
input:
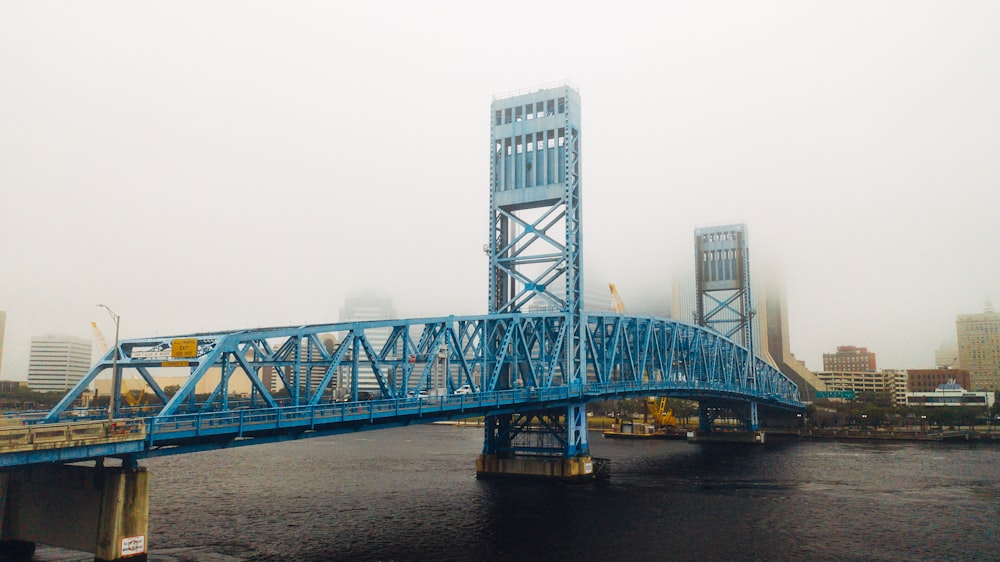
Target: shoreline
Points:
x,y
953,436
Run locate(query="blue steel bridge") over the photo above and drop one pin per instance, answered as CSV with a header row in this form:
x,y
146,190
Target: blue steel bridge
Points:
x,y
529,374
514,363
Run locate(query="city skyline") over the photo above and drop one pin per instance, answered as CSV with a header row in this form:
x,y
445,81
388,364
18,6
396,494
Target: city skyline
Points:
x,y
259,173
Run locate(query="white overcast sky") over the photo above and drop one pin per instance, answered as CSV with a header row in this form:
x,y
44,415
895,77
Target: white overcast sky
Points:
x,y
214,165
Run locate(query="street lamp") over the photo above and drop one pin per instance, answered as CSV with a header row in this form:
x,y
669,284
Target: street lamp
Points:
x,y
115,376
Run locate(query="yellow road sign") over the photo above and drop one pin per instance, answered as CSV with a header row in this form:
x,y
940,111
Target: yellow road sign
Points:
x,y
184,347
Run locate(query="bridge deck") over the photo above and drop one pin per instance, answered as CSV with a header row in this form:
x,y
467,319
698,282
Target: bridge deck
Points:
x,y
153,435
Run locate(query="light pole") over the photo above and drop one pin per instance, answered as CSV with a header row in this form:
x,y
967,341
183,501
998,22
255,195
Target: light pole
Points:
x,y
115,376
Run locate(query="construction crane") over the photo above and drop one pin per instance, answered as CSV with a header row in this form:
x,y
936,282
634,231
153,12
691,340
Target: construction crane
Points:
x,y
656,407
616,299
132,396
661,415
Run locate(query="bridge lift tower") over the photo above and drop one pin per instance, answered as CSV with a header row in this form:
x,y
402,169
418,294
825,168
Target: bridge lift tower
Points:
x,y
722,280
535,251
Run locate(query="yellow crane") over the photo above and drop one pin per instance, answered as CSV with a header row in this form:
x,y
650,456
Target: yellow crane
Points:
x,y
661,415
616,299
132,396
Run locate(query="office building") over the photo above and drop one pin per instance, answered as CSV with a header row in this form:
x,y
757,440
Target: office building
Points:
x,y
360,308
899,380
57,363
850,358
979,348
775,345
928,380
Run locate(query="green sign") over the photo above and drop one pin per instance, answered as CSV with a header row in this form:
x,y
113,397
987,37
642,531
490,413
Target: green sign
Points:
x,y
842,394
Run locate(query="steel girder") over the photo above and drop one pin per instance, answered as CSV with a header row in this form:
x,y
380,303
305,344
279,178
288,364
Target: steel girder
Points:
x,y
492,352
516,364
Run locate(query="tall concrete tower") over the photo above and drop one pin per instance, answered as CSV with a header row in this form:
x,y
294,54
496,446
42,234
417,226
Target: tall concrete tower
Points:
x,y
722,282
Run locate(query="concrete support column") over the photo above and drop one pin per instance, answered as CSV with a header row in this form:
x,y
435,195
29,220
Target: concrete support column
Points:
x,y
100,510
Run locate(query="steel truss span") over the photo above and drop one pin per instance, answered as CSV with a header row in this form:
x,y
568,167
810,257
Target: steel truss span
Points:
x,y
507,363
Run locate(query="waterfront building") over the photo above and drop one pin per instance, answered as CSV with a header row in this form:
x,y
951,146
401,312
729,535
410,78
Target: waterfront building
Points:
x,y
877,382
898,379
927,380
850,358
951,394
979,348
56,363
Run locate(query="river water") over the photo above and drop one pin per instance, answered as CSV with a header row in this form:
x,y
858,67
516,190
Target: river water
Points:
x,y
411,494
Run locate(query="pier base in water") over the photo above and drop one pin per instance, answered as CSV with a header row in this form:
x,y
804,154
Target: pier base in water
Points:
x,y
550,468
103,510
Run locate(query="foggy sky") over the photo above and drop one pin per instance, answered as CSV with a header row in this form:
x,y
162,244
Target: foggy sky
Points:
x,y
215,165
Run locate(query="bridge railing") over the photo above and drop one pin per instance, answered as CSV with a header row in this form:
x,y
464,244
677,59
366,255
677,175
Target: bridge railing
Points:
x,y
26,437
248,421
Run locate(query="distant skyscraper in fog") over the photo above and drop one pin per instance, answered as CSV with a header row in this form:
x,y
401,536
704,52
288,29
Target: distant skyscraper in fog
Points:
x,y
360,308
773,317
57,363
946,357
979,347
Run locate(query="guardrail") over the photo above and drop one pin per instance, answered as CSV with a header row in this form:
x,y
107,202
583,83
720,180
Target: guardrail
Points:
x,y
249,421
33,437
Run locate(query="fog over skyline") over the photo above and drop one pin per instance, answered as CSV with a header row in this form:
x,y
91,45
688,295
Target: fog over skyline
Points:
x,y
202,166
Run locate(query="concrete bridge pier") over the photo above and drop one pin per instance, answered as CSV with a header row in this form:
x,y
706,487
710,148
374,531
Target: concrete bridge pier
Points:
x,y
546,445
103,510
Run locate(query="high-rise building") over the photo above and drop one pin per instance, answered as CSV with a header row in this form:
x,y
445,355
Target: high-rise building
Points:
x,y
57,363
359,308
851,359
979,348
775,341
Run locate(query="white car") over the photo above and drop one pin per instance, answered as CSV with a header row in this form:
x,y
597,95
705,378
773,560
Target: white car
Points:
x,y
464,389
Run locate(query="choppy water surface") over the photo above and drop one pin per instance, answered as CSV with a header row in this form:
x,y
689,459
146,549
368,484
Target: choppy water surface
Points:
x,y
412,494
